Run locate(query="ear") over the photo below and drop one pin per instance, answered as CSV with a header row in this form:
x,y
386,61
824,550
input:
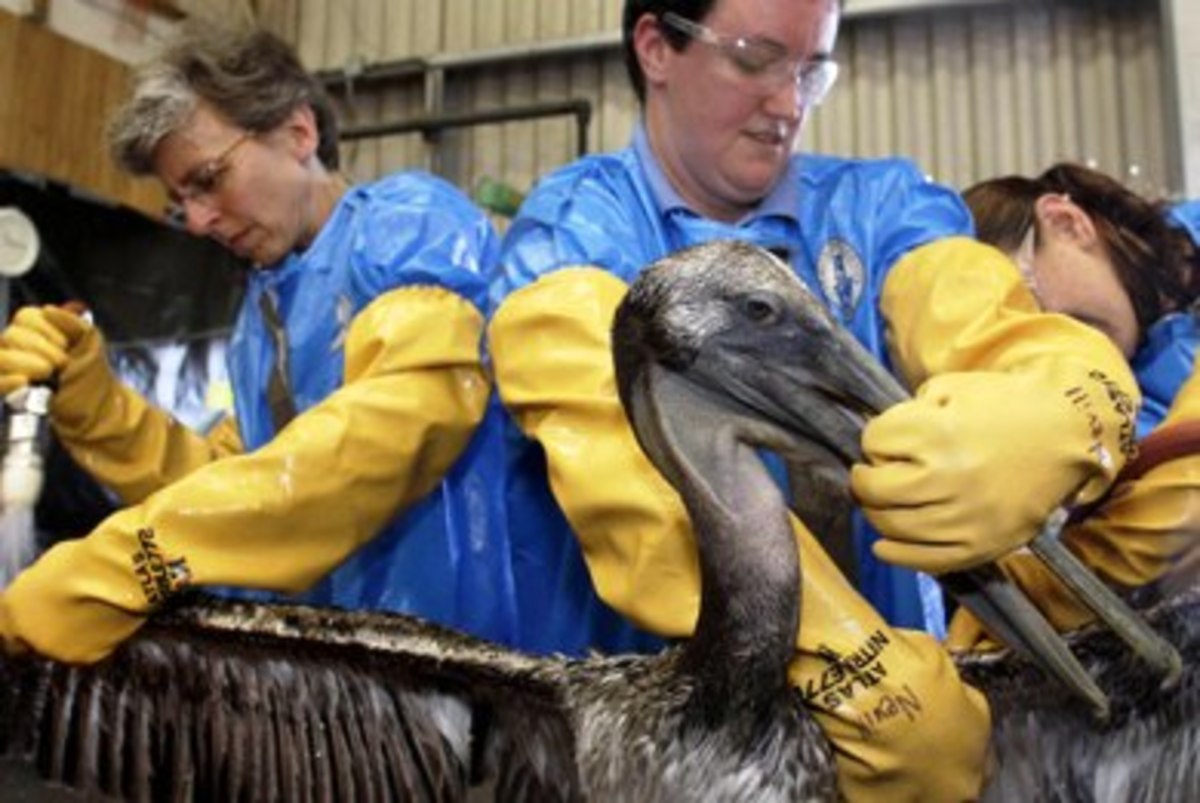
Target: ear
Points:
x,y
652,49
300,128
1059,216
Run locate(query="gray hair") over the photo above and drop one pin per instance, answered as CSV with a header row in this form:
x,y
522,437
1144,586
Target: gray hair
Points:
x,y
251,77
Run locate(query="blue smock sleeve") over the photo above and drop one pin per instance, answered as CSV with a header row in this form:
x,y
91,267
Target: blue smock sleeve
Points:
x,y
586,214
419,230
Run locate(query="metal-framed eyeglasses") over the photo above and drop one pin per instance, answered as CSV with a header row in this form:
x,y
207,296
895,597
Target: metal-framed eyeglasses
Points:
x,y
763,63
203,181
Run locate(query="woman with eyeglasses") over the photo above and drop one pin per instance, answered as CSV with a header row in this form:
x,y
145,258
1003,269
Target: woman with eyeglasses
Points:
x,y
967,471
362,469
1089,247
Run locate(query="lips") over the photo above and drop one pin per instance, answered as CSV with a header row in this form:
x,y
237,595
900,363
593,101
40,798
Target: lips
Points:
x,y
774,136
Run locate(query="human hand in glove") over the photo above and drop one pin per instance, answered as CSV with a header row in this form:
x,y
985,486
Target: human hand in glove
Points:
x,y
975,463
1145,528
92,412
38,344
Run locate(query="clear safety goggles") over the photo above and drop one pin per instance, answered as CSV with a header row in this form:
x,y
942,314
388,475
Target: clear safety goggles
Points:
x,y
765,65
1024,259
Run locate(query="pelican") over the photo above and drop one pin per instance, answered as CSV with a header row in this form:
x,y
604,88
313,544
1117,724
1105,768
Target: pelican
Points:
x,y
719,352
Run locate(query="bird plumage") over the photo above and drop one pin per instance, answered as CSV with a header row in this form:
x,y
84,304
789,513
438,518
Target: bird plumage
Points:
x,y
1049,749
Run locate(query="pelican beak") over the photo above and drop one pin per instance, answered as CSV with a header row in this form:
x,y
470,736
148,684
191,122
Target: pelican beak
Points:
x,y
1008,614
828,398
1131,628
815,381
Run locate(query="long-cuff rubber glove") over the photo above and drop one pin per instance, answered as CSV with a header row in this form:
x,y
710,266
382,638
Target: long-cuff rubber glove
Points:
x,y
904,727
282,516
1016,412
1141,531
121,439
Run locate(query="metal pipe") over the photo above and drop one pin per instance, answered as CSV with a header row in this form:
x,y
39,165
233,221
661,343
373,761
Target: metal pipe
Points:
x,y
381,72
549,49
401,69
432,125
872,8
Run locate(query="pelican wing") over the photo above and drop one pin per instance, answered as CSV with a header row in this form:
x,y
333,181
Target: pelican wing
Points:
x,y
241,702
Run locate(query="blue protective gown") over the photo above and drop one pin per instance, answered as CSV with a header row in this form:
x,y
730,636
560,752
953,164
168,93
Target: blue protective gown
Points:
x,y
448,557
1164,362
840,223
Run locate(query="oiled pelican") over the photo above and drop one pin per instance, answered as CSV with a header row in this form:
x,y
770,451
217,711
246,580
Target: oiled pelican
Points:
x,y
221,711
719,350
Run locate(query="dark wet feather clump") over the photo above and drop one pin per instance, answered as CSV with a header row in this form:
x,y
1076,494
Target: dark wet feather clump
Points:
x,y
1049,749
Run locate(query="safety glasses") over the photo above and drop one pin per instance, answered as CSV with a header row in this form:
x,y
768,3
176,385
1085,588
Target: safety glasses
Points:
x,y
764,64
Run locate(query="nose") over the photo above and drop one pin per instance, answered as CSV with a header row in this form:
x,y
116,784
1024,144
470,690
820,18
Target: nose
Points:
x,y
200,217
784,103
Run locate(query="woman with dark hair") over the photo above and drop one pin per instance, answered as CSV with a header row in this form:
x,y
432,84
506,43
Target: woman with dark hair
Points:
x,y
1090,248
1093,249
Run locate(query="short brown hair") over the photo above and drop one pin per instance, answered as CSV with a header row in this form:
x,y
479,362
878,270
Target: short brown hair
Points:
x,y
250,76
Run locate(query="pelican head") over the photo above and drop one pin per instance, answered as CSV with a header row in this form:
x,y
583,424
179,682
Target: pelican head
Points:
x,y
733,322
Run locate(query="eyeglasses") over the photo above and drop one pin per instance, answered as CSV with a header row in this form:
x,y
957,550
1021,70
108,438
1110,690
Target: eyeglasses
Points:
x,y
764,63
203,181
1024,259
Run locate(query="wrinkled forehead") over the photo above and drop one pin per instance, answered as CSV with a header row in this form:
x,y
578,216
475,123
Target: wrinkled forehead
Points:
x,y
803,26
197,136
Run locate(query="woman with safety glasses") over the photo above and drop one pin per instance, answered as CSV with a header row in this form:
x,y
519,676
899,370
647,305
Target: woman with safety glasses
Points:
x,y
358,471
1091,248
967,471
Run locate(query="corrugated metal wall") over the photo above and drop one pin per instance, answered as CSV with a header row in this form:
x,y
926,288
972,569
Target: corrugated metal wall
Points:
x,y
968,92
974,93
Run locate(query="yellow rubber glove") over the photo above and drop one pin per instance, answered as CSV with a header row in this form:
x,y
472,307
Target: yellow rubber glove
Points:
x,y
284,515
121,439
1017,412
1145,528
34,347
903,726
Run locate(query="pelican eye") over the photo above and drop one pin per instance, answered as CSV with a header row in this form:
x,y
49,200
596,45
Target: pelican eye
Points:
x,y
760,308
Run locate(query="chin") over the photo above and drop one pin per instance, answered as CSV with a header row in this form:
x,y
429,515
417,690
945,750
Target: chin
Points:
x,y
753,189
264,257
766,168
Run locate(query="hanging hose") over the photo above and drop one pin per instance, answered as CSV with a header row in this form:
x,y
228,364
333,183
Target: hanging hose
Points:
x,y
21,475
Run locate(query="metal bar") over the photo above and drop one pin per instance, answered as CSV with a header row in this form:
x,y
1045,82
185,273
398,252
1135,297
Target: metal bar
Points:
x,y
432,125
401,69
380,73
549,49
868,8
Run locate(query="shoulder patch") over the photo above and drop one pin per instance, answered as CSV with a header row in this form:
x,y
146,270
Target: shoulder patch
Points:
x,y
842,275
